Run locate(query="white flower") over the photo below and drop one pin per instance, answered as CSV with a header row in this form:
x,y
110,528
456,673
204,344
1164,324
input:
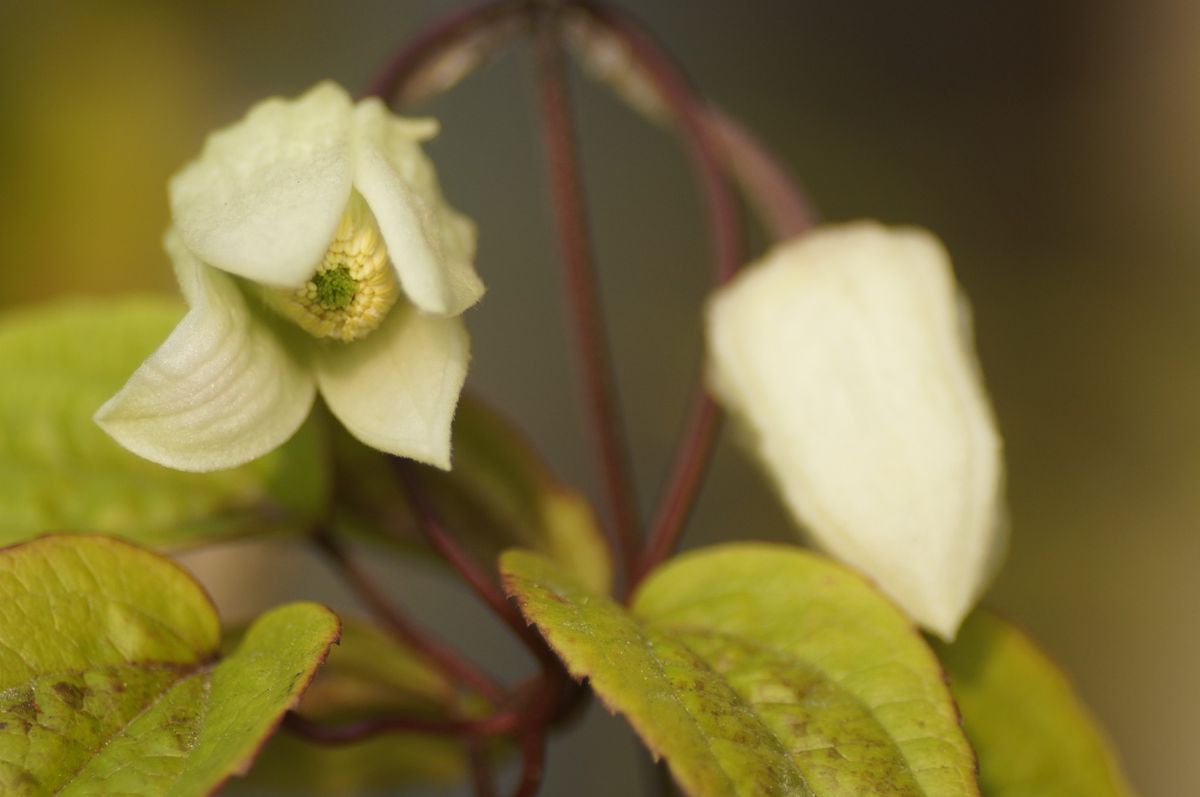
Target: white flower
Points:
x,y
847,356
315,252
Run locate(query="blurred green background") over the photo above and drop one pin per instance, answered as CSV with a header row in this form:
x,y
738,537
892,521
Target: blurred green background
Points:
x,y
1055,147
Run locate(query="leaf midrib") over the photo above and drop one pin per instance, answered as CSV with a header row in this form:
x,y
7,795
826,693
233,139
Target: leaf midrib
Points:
x,y
791,657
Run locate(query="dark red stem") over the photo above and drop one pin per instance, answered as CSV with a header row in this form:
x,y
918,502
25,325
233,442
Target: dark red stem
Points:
x,y
533,763
522,710
482,777
392,82
481,582
352,732
556,692
784,209
687,476
408,631
724,221
581,286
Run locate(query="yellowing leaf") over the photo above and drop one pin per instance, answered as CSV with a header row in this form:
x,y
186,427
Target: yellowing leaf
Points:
x,y
1033,736
60,472
761,670
109,677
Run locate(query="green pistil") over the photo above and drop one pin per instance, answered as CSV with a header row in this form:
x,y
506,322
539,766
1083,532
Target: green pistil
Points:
x,y
335,288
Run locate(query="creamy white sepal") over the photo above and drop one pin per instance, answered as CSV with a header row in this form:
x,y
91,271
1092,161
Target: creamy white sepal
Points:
x,y
397,390
264,197
222,390
846,355
432,245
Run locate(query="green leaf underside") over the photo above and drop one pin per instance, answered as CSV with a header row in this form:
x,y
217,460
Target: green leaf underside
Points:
x,y
61,472
1033,736
371,672
109,680
292,765
498,495
761,670
368,674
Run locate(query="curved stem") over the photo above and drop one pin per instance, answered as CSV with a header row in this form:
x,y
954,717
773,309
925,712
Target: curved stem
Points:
x,y
480,582
522,710
784,209
408,631
352,732
696,445
398,80
571,214
551,692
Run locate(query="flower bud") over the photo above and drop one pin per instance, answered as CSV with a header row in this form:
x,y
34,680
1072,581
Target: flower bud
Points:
x,y
846,356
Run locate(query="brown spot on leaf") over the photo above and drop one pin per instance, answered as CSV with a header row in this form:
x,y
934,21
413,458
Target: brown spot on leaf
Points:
x,y
25,711
71,694
181,727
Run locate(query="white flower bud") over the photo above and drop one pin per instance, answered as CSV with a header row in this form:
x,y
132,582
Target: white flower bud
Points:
x,y
847,358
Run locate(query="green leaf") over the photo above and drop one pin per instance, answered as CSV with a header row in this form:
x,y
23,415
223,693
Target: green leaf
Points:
x,y
368,674
761,670
1033,736
498,495
60,472
109,677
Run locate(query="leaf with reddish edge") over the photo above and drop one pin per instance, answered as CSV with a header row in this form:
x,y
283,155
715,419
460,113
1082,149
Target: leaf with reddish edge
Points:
x,y
761,670
1033,736
110,679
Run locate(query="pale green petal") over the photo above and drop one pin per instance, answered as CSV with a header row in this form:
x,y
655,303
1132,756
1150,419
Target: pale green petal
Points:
x,y
431,244
847,357
397,389
264,198
222,390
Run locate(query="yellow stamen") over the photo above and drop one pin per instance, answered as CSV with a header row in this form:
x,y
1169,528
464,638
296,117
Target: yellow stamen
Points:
x,y
352,289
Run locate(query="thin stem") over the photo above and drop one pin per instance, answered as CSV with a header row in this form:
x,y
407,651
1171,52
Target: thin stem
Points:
x,y
498,724
582,290
784,209
522,710
482,777
552,690
696,445
687,476
483,585
407,630
533,763
556,692
691,114
396,79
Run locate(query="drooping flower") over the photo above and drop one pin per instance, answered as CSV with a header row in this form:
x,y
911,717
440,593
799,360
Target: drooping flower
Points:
x,y
847,357
315,252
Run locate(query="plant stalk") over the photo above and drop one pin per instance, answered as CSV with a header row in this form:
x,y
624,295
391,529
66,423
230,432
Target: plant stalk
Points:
x,y
581,286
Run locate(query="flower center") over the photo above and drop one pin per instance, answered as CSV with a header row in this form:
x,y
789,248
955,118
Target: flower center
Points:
x,y
335,288
353,288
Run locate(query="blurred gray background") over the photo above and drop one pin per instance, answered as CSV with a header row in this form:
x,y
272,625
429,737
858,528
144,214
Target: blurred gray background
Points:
x,y
1053,146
